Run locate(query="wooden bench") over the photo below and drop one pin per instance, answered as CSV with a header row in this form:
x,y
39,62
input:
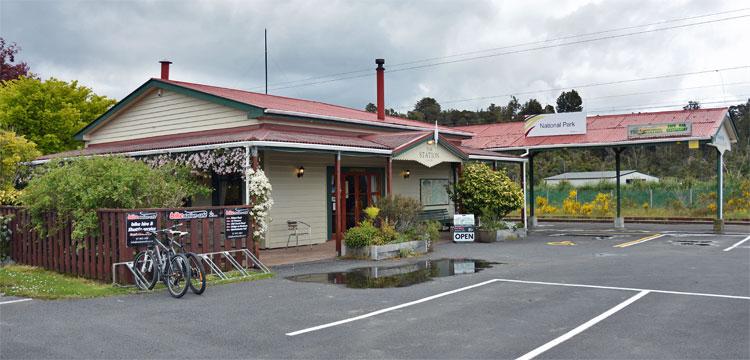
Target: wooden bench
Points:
x,y
439,215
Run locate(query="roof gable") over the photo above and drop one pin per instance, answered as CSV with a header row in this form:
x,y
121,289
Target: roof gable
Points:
x,y
257,104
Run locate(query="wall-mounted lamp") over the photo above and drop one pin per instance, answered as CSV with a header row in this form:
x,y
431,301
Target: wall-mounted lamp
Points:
x,y
406,174
431,142
300,171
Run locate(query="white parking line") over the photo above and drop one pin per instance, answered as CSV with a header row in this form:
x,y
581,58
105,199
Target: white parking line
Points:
x,y
14,301
433,297
382,311
738,244
626,288
581,328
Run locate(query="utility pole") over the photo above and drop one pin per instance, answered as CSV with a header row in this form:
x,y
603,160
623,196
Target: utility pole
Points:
x,y
265,47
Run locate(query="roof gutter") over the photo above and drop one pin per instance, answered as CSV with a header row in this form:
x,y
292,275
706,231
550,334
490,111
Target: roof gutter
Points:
x,y
562,146
362,122
497,158
267,144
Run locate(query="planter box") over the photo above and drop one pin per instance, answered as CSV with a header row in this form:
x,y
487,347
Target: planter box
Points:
x,y
500,235
388,251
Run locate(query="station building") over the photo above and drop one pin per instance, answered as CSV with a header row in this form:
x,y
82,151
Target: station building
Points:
x,y
327,163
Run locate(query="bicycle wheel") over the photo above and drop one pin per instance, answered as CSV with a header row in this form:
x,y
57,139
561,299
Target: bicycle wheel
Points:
x,y
197,274
178,275
146,270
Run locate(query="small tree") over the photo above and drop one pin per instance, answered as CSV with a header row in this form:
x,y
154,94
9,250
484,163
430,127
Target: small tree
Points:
x,y
49,112
76,189
14,151
481,188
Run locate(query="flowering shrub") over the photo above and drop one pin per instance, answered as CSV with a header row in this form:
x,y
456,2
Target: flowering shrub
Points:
x,y
260,193
9,196
571,206
220,161
601,205
543,206
74,190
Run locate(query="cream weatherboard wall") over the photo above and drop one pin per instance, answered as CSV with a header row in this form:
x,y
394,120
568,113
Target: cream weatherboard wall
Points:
x,y
304,198
410,186
167,114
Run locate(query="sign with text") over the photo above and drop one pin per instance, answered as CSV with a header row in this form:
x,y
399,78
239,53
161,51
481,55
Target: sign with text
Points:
x,y
428,154
463,228
236,223
193,214
572,123
660,130
139,227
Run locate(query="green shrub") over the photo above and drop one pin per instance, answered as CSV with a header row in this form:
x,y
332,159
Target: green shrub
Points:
x,y
5,235
400,211
361,235
388,234
76,189
481,187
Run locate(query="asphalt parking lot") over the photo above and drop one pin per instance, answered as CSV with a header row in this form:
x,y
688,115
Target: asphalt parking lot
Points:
x,y
567,291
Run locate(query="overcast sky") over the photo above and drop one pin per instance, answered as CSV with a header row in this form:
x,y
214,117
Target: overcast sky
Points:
x,y
114,46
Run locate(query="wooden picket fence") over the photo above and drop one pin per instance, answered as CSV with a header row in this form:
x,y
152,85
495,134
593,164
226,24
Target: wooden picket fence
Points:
x,y
93,256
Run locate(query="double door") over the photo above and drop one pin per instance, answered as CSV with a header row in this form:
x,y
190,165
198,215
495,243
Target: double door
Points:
x,y
359,189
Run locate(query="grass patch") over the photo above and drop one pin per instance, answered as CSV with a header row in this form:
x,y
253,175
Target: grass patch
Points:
x,y
37,283
236,276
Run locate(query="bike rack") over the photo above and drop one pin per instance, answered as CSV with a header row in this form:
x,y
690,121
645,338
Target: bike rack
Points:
x,y
215,269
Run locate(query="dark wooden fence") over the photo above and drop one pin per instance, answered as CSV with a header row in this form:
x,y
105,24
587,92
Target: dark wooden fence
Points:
x,y
93,256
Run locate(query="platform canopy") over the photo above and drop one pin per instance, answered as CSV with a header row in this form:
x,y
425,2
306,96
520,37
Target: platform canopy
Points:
x,y
703,125
543,132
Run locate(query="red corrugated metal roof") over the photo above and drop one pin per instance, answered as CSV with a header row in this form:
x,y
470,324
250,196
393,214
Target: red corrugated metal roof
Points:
x,y
604,129
262,132
283,103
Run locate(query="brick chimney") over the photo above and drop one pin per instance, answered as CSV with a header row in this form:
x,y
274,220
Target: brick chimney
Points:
x,y
165,69
381,97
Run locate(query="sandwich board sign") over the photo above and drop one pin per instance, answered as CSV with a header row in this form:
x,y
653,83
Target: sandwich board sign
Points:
x,y
463,228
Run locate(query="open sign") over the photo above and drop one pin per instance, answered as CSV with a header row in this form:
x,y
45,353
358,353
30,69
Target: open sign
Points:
x,y
463,236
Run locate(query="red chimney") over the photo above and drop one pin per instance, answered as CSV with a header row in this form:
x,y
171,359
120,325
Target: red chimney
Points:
x,y
381,97
165,69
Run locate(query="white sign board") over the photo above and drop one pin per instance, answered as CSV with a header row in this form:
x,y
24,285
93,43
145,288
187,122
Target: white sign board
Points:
x,y
463,228
572,123
463,219
721,140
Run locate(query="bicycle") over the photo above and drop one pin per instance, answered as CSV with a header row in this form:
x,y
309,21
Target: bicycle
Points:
x,y
197,282
161,262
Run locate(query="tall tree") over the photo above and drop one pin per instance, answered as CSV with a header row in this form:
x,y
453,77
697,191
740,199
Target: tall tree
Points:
x,y
549,109
370,107
531,107
569,101
426,109
9,68
49,112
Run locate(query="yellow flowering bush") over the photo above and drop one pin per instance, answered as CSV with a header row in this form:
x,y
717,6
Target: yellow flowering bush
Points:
x,y
543,206
9,196
571,206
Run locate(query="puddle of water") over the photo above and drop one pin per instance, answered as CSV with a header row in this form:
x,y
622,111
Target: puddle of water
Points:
x,y
375,277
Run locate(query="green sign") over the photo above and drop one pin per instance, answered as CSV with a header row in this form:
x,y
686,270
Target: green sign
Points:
x,y
660,130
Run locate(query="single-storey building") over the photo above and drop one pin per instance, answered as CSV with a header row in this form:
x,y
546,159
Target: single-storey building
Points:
x,y
582,178
326,163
